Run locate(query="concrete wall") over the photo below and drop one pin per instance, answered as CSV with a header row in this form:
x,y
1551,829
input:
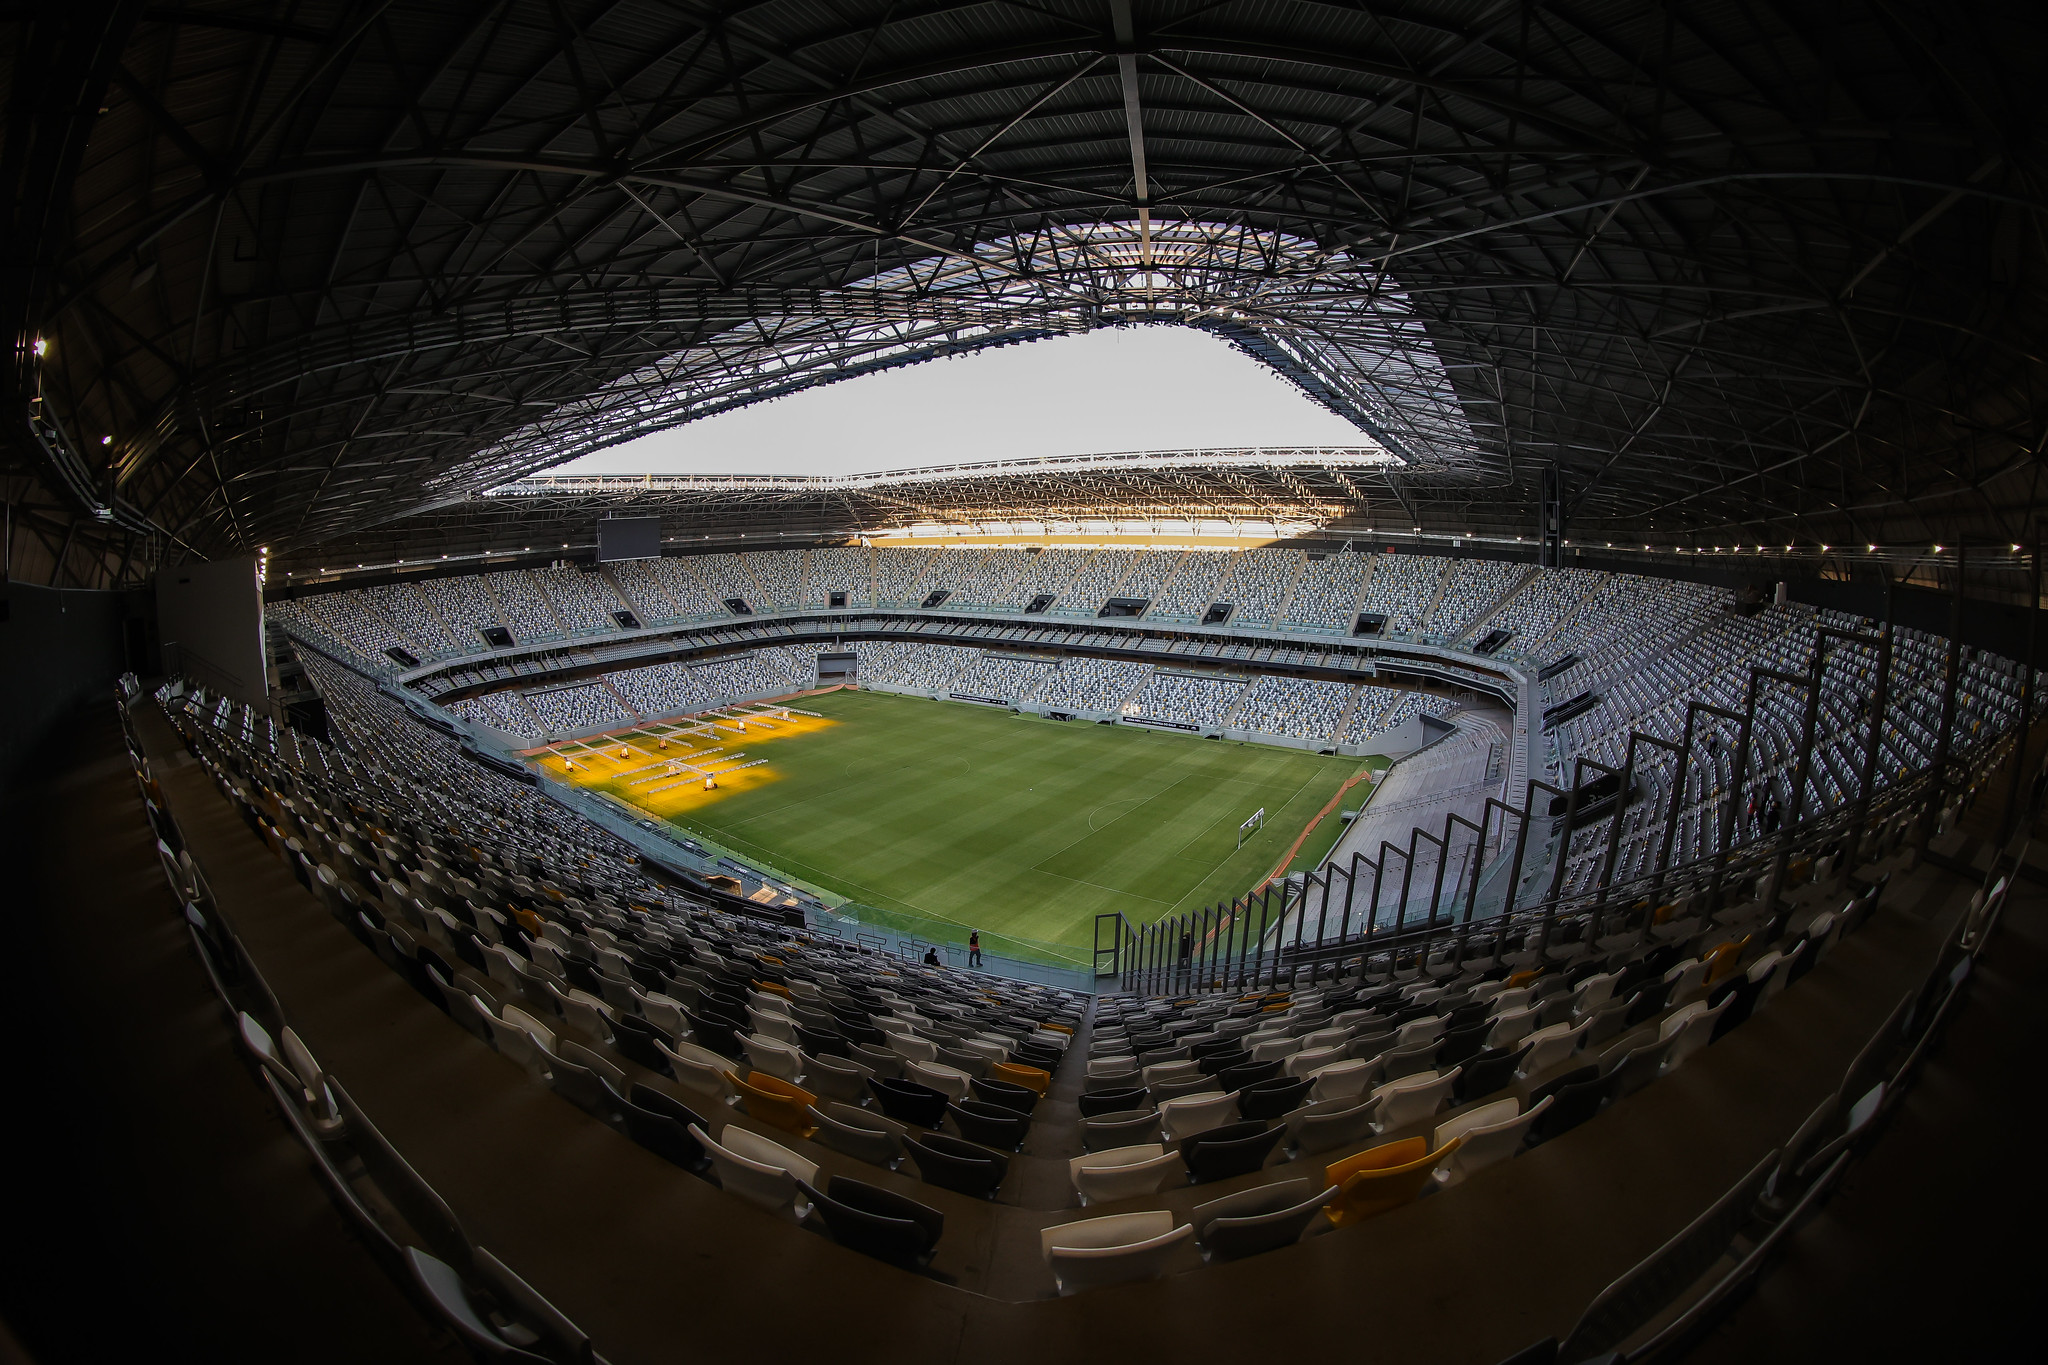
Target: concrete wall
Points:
x,y
210,620
60,650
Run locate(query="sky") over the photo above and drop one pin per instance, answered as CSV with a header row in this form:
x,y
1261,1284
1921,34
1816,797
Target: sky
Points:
x,y
1126,388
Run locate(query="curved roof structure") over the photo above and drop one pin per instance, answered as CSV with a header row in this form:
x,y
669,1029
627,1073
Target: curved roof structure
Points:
x,y
285,274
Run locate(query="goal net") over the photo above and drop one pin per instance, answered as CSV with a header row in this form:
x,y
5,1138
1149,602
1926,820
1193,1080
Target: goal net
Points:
x,y
1251,826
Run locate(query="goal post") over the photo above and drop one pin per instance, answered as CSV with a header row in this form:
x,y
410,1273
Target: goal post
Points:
x,y
1255,823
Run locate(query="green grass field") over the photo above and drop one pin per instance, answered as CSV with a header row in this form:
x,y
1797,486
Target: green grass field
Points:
x,y
1021,826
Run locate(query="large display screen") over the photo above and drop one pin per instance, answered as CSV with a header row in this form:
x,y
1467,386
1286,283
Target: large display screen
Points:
x,y
628,538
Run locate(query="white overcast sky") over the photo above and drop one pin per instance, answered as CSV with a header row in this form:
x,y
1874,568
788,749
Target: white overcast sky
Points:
x,y
1126,388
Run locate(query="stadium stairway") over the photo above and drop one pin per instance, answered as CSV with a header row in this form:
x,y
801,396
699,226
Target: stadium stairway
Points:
x,y
154,1200
647,1258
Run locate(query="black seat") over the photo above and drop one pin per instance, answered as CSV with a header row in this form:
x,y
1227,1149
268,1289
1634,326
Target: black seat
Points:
x,y
1575,1076
1461,1044
1571,1105
991,1125
909,1102
1273,1098
716,1032
662,1126
1742,995
1247,1073
1113,1101
635,1040
1233,1149
1216,1063
1209,1047
877,1222
822,1042
1020,1098
953,1164
1486,1071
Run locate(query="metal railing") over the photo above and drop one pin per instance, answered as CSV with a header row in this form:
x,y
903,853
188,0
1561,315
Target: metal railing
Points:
x,y
1335,921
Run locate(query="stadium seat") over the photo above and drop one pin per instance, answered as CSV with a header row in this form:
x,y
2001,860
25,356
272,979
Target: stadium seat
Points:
x,y
1411,1100
991,1125
1231,1150
443,1289
1117,1249
857,1132
954,1165
1123,1128
1020,1098
1191,1114
954,1083
1035,1079
1330,1124
1341,1080
662,1126
1382,1178
1274,1097
1551,1046
1125,1172
774,1101
875,1221
756,1169
836,1078
1260,1219
1488,1134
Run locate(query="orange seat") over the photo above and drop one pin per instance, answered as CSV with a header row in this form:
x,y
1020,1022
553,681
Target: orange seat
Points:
x,y
1724,959
1057,1028
1520,979
1035,1079
772,988
775,1101
1382,1178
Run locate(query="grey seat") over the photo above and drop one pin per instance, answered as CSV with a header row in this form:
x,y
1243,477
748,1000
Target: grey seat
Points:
x,y
1331,1123
836,1078
858,1132
1408,1061
1259,1219
1124,1128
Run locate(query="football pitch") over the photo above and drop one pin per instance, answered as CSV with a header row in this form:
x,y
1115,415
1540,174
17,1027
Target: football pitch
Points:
x,y
1009,824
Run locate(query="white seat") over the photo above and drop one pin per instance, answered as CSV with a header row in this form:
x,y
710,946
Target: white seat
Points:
x,y
1160,1072
1780,971
1116,1249
1593,992
755,1168
1420,1031
1114,1064
913,1049
1343,1080
699,1069
1124,1172
519,1018
1188,1115
1688,1030
770,1024
515,1040
1273,1049
1506,1000
774,1056
1412,1099
1549,1046
1325,1037
1310,1060
664,1012
1492,1133
955,1083
1512,1026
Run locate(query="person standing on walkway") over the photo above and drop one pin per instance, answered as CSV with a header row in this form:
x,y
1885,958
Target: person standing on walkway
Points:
x,y
974,948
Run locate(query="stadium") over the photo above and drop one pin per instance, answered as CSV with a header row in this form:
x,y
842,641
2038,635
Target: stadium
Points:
x,y
1547,877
